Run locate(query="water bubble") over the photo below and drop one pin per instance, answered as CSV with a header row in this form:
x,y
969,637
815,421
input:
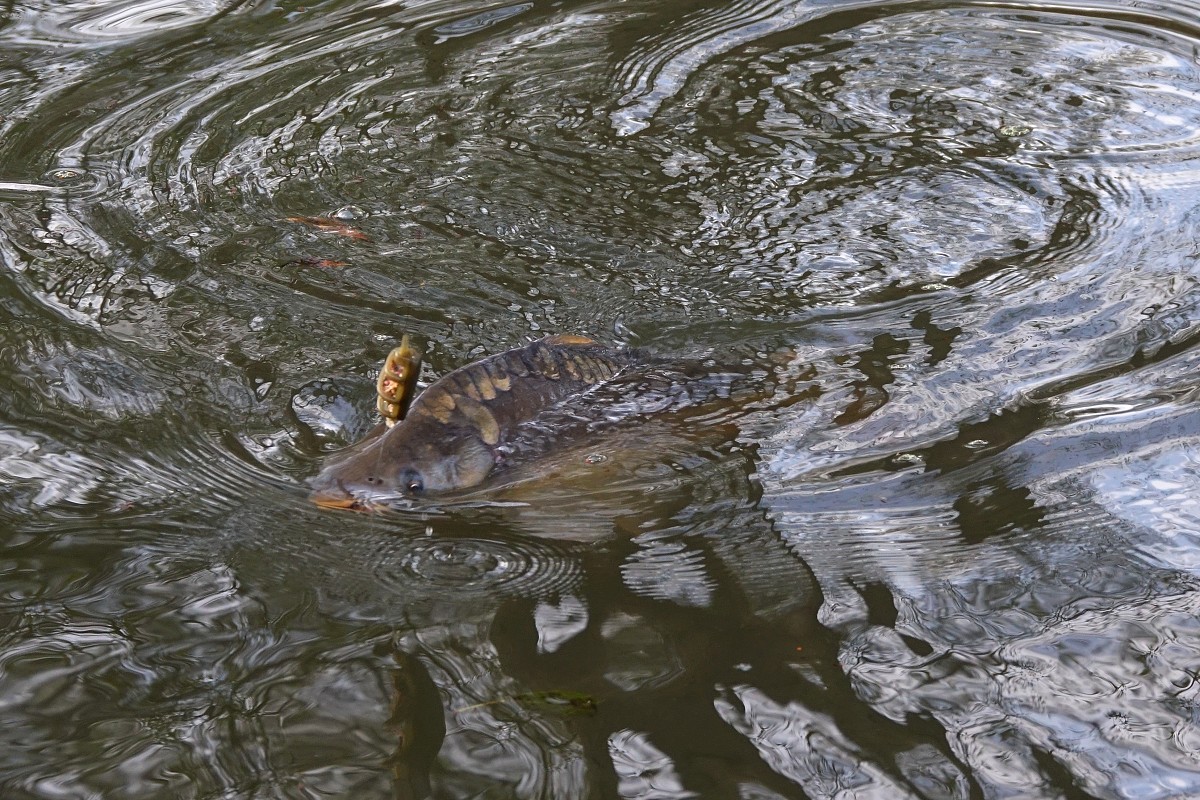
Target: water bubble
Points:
x,y
66,175
907,460
349,214
1015,131
483,566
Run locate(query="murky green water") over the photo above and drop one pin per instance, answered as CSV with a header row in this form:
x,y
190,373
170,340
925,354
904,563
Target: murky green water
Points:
x,y
957,556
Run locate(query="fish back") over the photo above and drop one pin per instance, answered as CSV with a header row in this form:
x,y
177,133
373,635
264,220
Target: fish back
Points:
x,y
497,393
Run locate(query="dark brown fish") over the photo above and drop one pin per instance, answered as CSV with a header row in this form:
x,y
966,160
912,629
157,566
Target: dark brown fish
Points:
x,y
456,430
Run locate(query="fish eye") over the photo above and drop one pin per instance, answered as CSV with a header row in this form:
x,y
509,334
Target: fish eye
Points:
x,y
411,481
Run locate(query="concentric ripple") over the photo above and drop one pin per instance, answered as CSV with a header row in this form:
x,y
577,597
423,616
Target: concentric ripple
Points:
x,y
475,566
893,153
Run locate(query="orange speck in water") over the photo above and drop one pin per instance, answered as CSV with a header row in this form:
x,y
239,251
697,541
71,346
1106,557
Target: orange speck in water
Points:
x,y
331,226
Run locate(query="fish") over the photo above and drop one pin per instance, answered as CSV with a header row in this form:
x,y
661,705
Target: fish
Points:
x,y
460,428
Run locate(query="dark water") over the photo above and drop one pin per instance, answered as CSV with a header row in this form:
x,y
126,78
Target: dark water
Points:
x,y
956,555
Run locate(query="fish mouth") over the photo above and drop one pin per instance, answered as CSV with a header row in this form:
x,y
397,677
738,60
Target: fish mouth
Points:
x,y
334,494
328,499
341,498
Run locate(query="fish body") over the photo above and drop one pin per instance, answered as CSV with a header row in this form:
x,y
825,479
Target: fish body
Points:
x,y
456,431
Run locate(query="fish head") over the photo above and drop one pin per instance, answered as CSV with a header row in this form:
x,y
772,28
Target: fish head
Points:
x,y
411,459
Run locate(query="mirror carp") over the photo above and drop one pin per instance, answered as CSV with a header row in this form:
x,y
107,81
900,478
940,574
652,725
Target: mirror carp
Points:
x,y
456,431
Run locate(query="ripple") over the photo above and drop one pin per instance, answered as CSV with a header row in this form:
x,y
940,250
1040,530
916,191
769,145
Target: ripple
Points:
x,y
79,413
528,568
870,154
328,410
79,21
642,769
669,571
232,143
661,65
803,745
971,226
1081,84
844,526
1074,77
864,159
817,246
1158,494
478,22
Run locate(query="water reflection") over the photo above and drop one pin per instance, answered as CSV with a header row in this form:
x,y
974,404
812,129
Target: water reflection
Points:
x,y
955,557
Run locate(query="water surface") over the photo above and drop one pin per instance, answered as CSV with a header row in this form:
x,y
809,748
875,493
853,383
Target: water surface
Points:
x,y
954,552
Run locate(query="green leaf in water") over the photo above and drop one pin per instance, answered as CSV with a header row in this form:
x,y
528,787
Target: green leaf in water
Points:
x,y
568,704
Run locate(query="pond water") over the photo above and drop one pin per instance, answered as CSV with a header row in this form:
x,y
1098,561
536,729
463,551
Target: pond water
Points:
x,y
955,553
